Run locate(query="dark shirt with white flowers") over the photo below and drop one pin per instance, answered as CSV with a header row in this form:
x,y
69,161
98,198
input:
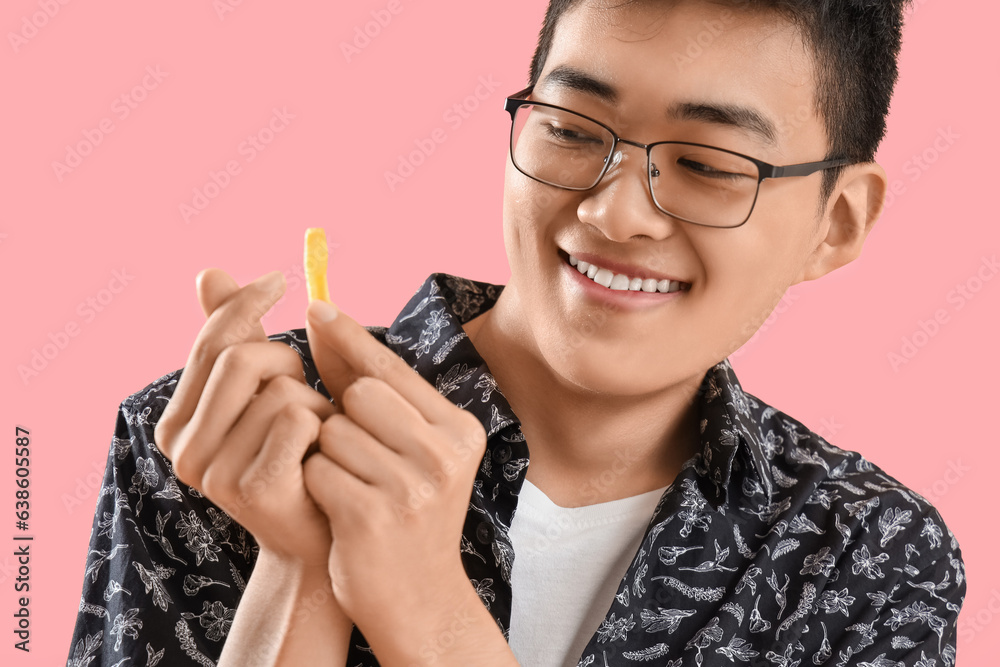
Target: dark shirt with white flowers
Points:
x,y
772,546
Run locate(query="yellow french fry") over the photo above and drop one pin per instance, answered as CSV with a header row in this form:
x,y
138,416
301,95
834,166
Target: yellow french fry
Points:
x,y
315,262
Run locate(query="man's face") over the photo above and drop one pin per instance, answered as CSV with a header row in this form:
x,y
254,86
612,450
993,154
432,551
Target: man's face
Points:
x,y
693,55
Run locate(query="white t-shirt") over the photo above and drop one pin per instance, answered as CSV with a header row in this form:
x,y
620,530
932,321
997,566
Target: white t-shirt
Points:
x,y
568,563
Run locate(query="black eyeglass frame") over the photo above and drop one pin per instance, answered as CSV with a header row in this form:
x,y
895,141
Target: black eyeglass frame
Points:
x,y
764,169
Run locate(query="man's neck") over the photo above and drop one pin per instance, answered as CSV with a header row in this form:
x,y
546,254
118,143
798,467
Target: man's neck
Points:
x,y
586,448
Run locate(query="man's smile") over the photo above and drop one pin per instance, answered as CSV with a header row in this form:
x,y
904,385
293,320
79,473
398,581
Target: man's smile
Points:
x,y
621,278
602,285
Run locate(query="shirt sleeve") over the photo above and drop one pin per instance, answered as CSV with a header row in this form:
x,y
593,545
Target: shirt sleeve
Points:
x,y
912,620
165,567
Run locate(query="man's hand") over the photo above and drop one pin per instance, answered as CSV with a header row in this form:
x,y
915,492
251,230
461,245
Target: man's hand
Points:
x,y
394,475
242,418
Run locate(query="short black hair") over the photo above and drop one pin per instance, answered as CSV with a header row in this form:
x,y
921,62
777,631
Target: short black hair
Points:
x,y
855,46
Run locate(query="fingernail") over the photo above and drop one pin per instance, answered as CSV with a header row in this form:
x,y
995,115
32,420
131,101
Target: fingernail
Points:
x,y
269,281
322,311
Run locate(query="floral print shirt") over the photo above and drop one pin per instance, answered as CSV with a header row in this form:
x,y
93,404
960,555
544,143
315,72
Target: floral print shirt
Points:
x,y
772,546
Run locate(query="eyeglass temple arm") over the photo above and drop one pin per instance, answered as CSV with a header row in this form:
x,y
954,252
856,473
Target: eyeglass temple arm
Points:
x,y
803,169
511,104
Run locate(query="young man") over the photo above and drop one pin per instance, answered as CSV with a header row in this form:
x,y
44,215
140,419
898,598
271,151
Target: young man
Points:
x,y
657,205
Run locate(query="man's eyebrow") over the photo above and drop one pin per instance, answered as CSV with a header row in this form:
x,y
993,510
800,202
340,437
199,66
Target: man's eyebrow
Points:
x,y
742,118
570,77
732,115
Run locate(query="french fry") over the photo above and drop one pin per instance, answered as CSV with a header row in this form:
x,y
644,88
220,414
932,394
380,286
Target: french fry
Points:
x,y
315,263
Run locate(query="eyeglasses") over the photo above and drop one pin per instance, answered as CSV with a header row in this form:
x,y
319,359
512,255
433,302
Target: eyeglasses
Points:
x,y
696,183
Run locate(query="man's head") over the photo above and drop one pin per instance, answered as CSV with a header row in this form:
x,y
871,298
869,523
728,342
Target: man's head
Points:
x,y
733,75
854,43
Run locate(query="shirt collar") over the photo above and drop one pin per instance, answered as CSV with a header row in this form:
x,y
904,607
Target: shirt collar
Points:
x,y
730,423
427,334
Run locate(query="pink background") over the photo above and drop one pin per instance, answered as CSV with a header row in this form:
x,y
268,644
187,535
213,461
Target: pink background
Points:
x,y
823,360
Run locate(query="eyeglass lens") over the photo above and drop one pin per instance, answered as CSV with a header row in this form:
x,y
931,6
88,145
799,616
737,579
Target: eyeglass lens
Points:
x,y
702,185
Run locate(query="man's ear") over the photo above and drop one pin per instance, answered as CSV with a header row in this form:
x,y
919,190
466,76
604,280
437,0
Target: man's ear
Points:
x,y
849,215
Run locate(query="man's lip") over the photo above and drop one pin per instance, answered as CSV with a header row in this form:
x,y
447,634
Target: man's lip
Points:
x,y
630,270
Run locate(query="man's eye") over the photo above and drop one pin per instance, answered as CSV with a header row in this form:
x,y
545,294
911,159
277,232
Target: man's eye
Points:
x,y
709,171
571,136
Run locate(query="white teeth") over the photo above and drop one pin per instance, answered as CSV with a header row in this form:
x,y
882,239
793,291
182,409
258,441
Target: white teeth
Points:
x,y
601,276
622,282
619,281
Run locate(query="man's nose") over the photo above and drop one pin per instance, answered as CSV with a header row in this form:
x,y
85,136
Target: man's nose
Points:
x,y
621,204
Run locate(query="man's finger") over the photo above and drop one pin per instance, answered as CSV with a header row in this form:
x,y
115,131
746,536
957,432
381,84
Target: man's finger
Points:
x,y
214,286
277,409
344,351
290,435
243,441
339,494
236,320
356,450
235,379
